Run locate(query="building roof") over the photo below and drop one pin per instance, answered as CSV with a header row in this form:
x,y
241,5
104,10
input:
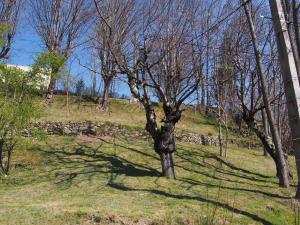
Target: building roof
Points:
x,y
21,67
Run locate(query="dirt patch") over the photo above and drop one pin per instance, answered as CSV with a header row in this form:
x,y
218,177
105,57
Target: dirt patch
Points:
x,y
90,138
113,220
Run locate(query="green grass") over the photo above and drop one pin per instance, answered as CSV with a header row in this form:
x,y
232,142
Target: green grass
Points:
x,y
121,112
132,116
68,180
84,180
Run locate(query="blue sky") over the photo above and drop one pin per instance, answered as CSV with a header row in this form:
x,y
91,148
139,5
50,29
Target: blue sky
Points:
x,y
27,45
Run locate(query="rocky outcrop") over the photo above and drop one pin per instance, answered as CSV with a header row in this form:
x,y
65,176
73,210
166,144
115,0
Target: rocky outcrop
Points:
x,y
75,128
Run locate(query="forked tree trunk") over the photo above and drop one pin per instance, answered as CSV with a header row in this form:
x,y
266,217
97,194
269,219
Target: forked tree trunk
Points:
x,y
164,141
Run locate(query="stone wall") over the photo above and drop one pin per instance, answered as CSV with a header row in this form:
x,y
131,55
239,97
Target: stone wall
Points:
x,y
75,128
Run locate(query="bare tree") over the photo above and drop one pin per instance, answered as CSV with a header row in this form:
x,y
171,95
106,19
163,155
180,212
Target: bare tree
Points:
x,y
158,61
59,23
291,12
283,172
223,86
111,27
9,16
247,79
290,76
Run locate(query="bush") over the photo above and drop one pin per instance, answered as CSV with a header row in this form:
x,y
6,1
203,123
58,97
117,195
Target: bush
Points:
x,y
17,108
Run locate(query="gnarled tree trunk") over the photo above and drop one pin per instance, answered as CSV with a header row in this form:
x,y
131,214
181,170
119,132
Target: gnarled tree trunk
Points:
x,y
164,138
165,146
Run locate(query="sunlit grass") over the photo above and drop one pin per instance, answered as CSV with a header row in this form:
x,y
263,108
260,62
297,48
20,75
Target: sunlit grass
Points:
x,y
83,180
124,113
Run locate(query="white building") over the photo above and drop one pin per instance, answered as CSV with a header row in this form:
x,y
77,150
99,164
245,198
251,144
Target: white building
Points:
x,y
44,81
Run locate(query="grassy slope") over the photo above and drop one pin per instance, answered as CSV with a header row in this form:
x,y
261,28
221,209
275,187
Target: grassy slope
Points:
x,y
75,180
123,113
66,180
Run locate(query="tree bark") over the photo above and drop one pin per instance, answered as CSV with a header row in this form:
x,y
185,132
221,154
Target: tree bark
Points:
x,y
105,97
296,25
94,84
164,141
265,140
50,91
165,147
266,127
164,138
283,170
289,14
290,77
226,136
167,163
207,66
220,138
2,169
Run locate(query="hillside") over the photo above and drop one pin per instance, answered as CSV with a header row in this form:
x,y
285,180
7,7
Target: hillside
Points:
x,y
122,112
116,180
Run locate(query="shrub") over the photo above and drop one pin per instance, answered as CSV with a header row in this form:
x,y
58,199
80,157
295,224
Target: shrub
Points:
x,y
17,108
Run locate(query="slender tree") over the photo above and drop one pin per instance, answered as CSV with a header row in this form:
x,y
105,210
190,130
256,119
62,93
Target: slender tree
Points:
x,y
283,172
248,83
290,77
60,24
111,27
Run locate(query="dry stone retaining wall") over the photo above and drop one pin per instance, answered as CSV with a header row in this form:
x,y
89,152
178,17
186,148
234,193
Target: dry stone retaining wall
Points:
x,y
75,128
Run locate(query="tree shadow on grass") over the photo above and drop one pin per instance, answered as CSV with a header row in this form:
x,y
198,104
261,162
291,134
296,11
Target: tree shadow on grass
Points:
x,y
193,198
233,171
195,183
190,156
88,162
129,148
185,158
219,178
227,164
